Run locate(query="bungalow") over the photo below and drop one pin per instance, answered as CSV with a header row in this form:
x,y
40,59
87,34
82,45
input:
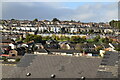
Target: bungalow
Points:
x,y
65,46
91,53
58,52
102,52
41,52
65,52
39,46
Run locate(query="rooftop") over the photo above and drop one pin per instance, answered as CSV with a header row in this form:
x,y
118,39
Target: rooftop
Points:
x,y
42,66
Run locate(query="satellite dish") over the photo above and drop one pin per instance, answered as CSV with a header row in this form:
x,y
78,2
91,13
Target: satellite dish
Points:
x,y
53,76
82,78
28,74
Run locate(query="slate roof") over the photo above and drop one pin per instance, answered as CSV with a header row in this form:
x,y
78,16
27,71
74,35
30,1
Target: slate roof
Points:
x,y
59,50
109,59
64,50
93,51
41,51
41,66
51,46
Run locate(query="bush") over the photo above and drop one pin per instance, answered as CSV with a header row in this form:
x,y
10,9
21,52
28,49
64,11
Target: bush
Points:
x,y
5,59
18,59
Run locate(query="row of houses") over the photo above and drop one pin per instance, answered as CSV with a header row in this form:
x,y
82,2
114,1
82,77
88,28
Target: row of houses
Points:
x,y
64,52
57,29
28,23
15,48
51,44
60,28
67,48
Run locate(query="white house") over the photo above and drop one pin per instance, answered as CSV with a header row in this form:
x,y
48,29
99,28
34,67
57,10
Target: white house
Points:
x,y
12,46
102,52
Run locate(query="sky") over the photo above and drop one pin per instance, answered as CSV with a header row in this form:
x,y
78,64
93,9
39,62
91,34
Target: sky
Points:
x,y
79,11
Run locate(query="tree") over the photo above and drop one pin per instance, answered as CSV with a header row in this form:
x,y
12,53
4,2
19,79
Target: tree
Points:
x,y
29,38
78,47
112,23
115,24
72,21
106,40
46,38
76,39
96,39
57,38
64,38
98,48
55,19
36,20
12,19
17,59
78,21
2,22
54,36
90,40
117,49
37,38
84,37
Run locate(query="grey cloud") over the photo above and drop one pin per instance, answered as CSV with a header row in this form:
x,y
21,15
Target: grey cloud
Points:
x,y
87,12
